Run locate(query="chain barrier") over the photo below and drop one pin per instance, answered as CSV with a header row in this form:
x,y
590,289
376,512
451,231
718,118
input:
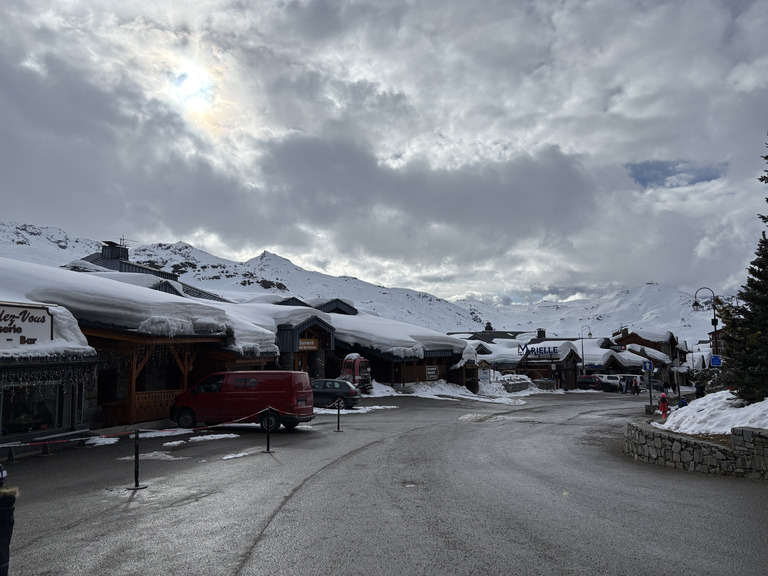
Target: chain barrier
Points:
x,y
83,436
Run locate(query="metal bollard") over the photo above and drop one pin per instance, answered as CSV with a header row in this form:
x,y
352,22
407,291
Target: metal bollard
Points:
x,y
136,463
268,451
338,417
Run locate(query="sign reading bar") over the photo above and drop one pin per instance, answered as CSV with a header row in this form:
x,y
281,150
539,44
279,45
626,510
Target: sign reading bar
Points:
x,y
23,324
308,344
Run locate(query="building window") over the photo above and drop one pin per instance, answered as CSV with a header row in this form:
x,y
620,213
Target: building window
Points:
x,y
25,407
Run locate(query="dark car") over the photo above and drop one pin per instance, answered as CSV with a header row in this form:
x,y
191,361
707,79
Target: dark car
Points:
x,y
587,382
332,393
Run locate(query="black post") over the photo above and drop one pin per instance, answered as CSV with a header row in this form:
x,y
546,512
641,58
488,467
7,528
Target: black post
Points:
x,y
650,388
338,416
136,462
269,413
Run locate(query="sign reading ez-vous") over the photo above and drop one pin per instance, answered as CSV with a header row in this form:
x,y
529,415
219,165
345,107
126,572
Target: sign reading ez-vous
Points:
x,y
24,324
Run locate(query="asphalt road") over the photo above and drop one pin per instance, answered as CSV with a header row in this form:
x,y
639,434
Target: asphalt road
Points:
x,y
425,487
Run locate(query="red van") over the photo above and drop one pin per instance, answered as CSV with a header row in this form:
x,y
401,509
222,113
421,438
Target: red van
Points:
x,y
246,397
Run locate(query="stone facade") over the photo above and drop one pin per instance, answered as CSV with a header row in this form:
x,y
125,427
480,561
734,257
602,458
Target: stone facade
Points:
x,y
747,457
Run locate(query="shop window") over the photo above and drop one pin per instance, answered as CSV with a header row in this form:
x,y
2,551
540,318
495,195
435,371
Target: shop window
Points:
x,y
28,407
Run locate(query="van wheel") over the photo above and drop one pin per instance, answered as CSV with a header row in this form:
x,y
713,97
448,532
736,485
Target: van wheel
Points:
x,y
270,421
186,419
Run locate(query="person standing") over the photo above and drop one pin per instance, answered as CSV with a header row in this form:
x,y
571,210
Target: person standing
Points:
x,y
699,384
663,405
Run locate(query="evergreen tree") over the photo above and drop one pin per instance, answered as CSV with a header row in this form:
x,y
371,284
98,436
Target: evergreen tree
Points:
x,y
746,327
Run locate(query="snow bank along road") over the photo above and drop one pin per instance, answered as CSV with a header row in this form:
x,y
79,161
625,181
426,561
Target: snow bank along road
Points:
x,y
428,487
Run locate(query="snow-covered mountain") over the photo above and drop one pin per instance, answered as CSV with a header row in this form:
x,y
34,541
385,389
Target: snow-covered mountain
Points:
x,y
650,307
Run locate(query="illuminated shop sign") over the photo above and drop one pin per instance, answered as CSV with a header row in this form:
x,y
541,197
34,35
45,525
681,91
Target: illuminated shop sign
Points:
x,y
22,324
308,344
536,350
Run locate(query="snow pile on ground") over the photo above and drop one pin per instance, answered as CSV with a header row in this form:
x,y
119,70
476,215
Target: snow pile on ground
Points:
x,y
716,413
493,392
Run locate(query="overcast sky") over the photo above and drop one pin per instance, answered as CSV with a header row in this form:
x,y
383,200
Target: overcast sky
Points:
x,y
518,148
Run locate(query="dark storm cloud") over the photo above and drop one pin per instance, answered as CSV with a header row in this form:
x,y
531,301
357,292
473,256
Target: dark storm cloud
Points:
x,y
420,213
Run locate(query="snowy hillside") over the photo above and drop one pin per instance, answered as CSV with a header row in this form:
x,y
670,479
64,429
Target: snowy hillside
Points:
x,y
42,245
648,307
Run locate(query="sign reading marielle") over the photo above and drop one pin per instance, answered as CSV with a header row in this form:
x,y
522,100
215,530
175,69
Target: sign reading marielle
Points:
x,y
24,324
536,350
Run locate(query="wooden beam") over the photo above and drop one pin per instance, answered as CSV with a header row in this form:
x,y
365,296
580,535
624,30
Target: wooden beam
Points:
x,y
147,339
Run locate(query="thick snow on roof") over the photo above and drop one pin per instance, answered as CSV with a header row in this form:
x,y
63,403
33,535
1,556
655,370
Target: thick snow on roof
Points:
x,y
509,351
270,316
104,300
650,353
138,279
321,301
124,300
653,336
512,351
67,338
390,336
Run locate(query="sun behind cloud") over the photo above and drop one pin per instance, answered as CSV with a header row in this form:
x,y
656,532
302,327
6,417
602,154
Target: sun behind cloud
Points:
x,y
191,86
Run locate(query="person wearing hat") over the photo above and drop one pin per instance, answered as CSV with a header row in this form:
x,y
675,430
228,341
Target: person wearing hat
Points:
x,y
663,405
7,507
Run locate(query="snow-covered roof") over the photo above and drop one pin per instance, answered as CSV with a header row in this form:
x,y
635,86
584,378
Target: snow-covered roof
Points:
x,y
651,353
124,300
649,335
392,337
104,300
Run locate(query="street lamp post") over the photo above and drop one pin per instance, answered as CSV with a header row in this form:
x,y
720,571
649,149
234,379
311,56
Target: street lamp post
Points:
x,y
581,333
697,306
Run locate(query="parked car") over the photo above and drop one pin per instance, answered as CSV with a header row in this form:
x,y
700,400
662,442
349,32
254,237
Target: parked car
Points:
x,y
333,393
609,382
269,397
587,382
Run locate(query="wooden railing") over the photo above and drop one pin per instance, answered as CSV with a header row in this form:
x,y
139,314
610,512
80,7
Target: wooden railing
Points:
x,y
153,405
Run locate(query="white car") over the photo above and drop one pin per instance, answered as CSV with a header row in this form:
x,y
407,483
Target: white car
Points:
x,y
611,382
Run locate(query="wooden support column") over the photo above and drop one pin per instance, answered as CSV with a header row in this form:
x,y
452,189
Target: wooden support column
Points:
x,y
137,365
185,359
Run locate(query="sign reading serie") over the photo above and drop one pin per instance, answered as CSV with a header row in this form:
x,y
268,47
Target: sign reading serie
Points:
x,y
24,324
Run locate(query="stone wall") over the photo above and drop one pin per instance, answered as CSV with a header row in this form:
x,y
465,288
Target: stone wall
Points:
x,y
746,457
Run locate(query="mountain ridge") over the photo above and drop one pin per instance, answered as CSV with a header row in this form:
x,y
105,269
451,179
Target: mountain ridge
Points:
x,y
650,307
